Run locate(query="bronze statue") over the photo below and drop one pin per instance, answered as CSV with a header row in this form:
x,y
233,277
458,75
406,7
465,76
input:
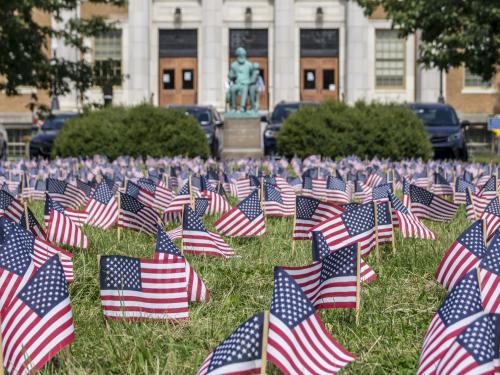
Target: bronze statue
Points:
x,y
243,76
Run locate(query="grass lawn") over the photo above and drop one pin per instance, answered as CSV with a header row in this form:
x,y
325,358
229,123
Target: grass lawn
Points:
x,y
396,308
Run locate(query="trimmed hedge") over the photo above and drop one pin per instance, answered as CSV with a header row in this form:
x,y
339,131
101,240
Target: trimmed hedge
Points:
x,y
144,130
336,129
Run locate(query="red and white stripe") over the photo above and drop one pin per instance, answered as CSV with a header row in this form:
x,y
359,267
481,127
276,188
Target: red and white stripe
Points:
x,y
324,211
217,203
438,210
411,226
11,284
205,243
144,220
457,262
43,250
102,215
490,291
457,361
62,229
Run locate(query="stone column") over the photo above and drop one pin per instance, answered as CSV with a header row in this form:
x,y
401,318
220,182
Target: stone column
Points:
x,y
137,77
427,81
210,80
285,81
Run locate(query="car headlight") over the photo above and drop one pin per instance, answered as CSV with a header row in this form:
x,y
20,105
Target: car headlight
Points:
x,y
454,137
270,134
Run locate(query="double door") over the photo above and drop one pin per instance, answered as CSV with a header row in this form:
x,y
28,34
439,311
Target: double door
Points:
x,y
178,80
319,79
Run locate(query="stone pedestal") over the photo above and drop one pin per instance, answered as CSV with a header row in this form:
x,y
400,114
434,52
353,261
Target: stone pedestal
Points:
x,y
242,138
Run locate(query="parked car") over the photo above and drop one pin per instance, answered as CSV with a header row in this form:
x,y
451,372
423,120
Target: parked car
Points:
x,y
274,122
211,122
445,130
41,144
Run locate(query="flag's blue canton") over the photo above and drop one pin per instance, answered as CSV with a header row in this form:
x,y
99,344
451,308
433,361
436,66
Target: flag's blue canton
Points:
x,y
406,187
128,203
5,187
307,183
40,185
83,187
320,248
272,194
350,206
493,207
490,184
478,339
397,205
196,182
200,206
342,262
16,249
132,189
335,183
147,184
270,180
250,206
491,262
473,239
184,190
51,204
32,222
109,182
306,207
56,186
5,199
212,175
191,221
419,195
46,289
383,214
254,180
464,300
461,186
440,180
289,303
468,176
120,273
164,244
381,191
243,345
103,193
359,220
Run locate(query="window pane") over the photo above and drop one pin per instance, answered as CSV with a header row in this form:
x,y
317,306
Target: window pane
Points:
x,y
329,79
168,79
309,79
187,79
108,54
389,59
473,80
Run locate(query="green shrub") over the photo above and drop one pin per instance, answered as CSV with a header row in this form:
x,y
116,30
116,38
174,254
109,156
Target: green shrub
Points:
x,y
144,130
336,129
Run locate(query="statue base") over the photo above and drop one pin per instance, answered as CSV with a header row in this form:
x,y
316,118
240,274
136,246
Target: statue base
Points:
x,y
242,137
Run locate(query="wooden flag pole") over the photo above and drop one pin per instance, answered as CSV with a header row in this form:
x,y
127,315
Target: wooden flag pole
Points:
x,y
478,279
484,233
119,233
191,198
358,283
377,246
293,230
265,333
182,232
472,202
1,355
26,219
125,182
393,240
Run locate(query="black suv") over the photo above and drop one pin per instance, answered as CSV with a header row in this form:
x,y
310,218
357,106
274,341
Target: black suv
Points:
x,y
276,120
444,128
41,144
210,121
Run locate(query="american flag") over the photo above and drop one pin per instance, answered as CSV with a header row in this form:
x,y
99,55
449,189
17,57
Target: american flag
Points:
x,y
474,205
136,289
463,256
10,207
298,342
201,206
136,216
67,195
421,179
489,190
31,224
230,185
182,198
475,350
320,250
218,203
309,212
47,321
374,179
441,186
76,216
246,219
162,196
491,217
83,186
142,195
408,223
38,193
461,187
274,203
166,251
489,277
384,222
379,193
196,239
336,191
426,205
61,228
331,282
102,208
240,353
246,185
460,308
362,192
405,198
357,225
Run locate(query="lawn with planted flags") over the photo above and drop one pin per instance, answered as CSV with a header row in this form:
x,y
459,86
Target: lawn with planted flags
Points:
x,y
395,312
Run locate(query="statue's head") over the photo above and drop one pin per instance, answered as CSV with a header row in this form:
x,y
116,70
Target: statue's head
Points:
x,y
241,55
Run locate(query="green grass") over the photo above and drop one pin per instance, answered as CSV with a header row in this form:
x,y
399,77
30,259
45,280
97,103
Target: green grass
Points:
x,y
395,309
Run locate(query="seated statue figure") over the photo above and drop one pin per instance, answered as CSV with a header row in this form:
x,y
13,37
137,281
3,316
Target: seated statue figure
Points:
x,y
241,76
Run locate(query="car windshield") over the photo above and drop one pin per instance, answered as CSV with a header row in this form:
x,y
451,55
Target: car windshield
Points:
x,y
202,116
54,123
281,112
432,116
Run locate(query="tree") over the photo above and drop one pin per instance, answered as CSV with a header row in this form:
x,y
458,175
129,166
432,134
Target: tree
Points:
x,y
25,58
453,32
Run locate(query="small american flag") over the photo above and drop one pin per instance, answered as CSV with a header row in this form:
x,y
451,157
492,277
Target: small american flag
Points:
x,y
374,179
309,213
298,342
362,192
45,328
182,198
405,198
274,203
218,203
166,251
475,350
246,219
142,195
240,353
421,179
39,190
426,205
83,186
463,256
162,196
384,223
77,217
441,186
31,224
10,207
336,191
246,185
474,205
489,190
408,223
201,206
102,208
460,308
379,193
491,217
196,239
461,187
136,216
489,277
136,289
67,195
